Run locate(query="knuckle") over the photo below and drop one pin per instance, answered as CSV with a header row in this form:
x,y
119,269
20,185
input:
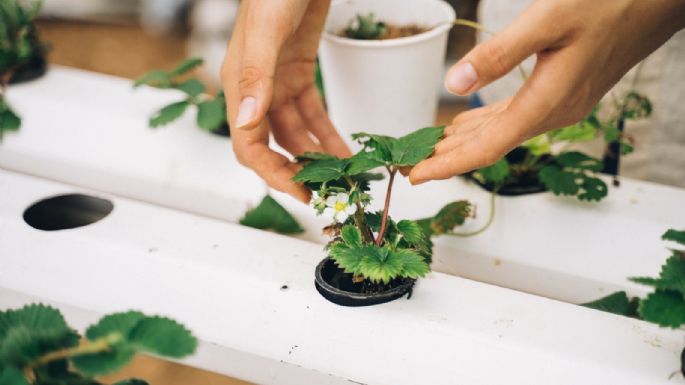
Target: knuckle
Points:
x,y
250,76
491,156
495,59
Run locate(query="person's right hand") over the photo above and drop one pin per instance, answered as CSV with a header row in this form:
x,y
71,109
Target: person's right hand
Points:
x,y
268,80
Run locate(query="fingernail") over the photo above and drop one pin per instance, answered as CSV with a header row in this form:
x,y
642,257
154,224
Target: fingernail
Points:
x,y
246,111
461,78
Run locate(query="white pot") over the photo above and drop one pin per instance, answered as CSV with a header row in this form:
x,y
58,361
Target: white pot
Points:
x,y
388,87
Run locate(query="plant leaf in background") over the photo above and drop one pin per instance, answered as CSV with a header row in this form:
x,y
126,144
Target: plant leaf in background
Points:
x,y
664,307
270,215
675,236
168,114
496,173
616,303
450,216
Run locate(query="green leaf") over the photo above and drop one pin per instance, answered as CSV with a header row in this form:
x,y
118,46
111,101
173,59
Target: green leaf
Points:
x,y
9,120
411,231
351,235
131,381
671,277
664,307
323,170
270,215
626,148
592,189
496,173
380,265
675,236
158,79
211,114
611,133
307,156
578,160
12,376
191,87
186,66
636,106
362,162
163,337
411,149
538,145
117,326
616,303
35,317
413,264
582,131
168,114
450,216
558,181
365,27
348,257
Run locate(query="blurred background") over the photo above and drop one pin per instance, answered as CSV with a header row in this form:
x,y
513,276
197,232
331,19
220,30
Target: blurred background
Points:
x,y
127,38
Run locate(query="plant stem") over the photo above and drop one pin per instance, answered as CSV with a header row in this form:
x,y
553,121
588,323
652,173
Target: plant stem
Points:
x,y
386,208
359,215
487,224
99,345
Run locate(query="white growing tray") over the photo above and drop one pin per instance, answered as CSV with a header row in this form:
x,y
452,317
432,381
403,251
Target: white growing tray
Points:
x,y
91,130
225,282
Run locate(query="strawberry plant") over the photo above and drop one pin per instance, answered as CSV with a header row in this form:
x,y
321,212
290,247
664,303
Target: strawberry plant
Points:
x,y
665,305
546,162
22,54
38,347
372,252
211,109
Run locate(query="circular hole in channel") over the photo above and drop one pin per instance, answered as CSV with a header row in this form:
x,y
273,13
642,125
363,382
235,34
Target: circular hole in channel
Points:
x,y
67,211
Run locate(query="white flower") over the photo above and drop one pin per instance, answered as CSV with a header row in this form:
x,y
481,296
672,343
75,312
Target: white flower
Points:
x,y
338,207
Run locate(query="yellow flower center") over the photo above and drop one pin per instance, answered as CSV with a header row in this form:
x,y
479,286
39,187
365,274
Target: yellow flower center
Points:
x,y
340,206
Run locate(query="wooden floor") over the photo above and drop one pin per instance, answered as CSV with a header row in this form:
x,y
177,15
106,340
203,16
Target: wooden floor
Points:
x,y
126,50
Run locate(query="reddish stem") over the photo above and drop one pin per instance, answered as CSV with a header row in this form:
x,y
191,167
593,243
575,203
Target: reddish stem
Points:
x,y
386,208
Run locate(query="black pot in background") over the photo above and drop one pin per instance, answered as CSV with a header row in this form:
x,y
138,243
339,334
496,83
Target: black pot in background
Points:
x,y
331,282
525,184
31,70
222,130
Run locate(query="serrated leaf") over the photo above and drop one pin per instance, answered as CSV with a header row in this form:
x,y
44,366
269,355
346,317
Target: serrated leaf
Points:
x,y
538,145
671,277
582,131
9,120
35,317
103,363
120,323
163,337
211,114
362,162
636,106
157,79
592,189
186,66
347,257
12,376
450,216
496,173
413,264
616,303
169,113
664,307
270,215
675,236
376,146
578,160
380,265
411,149
191,87
558,181
323,170
351,235
411,231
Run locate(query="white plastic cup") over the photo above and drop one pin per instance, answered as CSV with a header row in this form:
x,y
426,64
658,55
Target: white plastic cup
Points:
x,y
388,87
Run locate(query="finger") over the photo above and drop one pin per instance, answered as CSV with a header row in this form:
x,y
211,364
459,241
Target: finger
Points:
x,y
264,28
311,108
475,113
497,56
288,130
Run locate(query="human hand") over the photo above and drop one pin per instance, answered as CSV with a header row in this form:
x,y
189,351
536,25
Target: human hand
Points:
x,y
268,80
583,48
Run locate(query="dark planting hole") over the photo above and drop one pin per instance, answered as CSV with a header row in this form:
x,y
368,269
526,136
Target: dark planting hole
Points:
x,y
67,212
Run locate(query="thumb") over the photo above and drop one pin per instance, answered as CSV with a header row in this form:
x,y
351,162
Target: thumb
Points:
x,y
497,56
266,29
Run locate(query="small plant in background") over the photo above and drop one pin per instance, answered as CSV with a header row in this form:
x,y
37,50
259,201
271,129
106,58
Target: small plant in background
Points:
x,y
373,251
365,27
22,54
546,162
211,110
38,347
665,305
270,215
